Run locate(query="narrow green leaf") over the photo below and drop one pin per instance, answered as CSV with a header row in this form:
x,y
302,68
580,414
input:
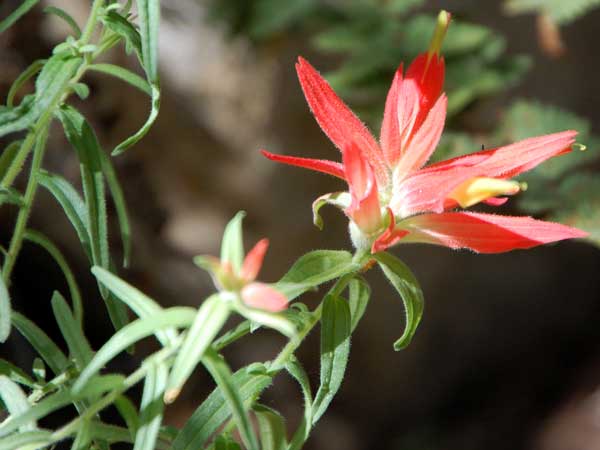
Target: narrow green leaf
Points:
x,y
214,411
151,408
312,269
101,384
83,438
38,238
12,196
360,292
21,10
71,203
271,428
17,118
149,19
15,374
154,108
124,28
173,317
225,442
335,348
128,412
15,400
139,302
5,312
48,405
42,344
296,370
209,320
81,89
408,287
66,17
7,158
120,206
26,441
52,80
259,317
33,68
220,372
79,347
81,135
232,245
123,74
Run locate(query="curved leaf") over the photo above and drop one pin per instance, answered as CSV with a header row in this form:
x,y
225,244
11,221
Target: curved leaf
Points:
x,y
409,289
5,312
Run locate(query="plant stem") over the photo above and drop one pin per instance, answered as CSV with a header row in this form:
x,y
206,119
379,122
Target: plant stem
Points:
x,y
17,237
91,23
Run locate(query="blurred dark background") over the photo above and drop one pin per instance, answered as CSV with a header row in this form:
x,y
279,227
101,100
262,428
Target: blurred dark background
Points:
x,y
508,353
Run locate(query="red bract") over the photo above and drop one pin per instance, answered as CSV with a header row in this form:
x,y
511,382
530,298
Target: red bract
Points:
x,y
393,198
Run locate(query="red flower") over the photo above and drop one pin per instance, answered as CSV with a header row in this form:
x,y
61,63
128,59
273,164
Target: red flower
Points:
x,y
253,293
393,198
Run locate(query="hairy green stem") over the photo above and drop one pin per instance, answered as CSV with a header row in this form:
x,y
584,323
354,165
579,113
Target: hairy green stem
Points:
x,y
90,26
17,238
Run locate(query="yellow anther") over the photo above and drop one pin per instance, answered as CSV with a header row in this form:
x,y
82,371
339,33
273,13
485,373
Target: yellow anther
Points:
x,y
477,190
580,147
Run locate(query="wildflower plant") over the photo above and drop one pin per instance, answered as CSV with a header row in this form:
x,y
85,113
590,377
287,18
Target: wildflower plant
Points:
x,y
392,198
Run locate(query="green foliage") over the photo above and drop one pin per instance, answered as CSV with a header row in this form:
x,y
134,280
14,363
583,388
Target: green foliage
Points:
x,y
335,348
403,280
560,11
5,312
374,37
21,10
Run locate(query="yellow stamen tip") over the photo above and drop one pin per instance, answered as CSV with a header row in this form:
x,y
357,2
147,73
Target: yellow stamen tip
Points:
x,y
523,186
443,21
580,147
479,189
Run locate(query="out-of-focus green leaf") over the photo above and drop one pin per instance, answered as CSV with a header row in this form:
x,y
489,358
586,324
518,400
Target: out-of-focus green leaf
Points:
x,y
220,372
403,280
15,374
133,332
79,347
560,11
335,347
208,322
128,412
260,317
5,312
15,400
19,117
123,74
53,78
271,428
33,68
214,411
46,406
151,408
21,10
312,269
41,240
225,442
61,13
28,440
232,246
580,204
42,344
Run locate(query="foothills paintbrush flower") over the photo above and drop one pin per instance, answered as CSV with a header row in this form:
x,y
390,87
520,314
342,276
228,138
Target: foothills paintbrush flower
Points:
x,y
254,294
392,198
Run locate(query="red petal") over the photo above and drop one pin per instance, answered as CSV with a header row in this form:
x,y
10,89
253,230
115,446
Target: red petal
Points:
x,y
428,71
337,121
263,296
427,189
390,128
423,142
364,209
390,236
485,233
320,165
253,260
